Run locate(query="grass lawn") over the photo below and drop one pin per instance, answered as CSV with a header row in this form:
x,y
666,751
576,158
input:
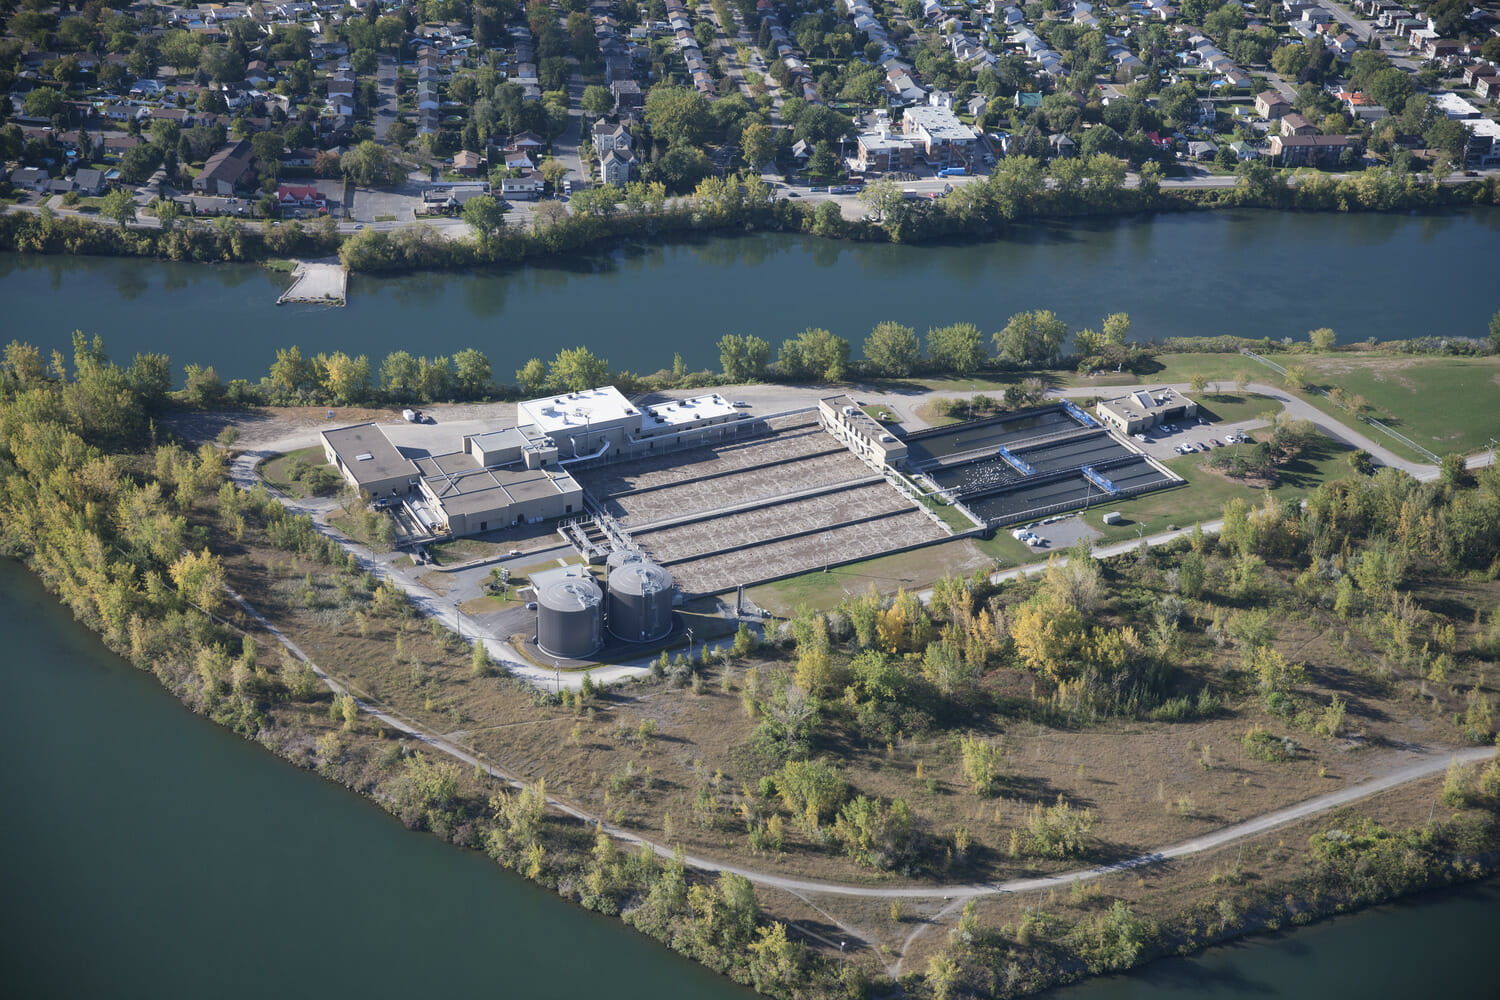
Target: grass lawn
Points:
x,y
909,570
1206,492
1229,407
1444,404
462,550
275,470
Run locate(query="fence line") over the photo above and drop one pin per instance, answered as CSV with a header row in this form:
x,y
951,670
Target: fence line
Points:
x,y
1392,432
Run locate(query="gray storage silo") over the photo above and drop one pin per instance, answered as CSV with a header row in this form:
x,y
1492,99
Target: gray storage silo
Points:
x,y
640,602
618,558
569,618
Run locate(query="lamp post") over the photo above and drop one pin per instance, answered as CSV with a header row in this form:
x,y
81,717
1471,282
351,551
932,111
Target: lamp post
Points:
x,y
690,646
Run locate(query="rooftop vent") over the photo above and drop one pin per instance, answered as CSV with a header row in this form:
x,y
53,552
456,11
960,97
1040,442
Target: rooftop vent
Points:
x,y
366,457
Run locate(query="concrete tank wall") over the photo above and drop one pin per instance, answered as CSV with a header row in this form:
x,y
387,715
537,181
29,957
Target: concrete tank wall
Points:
x,y
570,619
640,602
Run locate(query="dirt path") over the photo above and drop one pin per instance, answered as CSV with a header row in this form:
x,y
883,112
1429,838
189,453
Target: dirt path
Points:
x,y
1402,768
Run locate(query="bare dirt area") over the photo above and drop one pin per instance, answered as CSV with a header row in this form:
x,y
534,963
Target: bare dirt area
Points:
x,y
261,427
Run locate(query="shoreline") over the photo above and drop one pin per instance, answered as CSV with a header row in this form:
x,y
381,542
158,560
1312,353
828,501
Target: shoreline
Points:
x,y
418,247
1186,936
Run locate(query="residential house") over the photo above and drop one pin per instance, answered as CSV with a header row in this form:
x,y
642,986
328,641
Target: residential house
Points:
x,y
303,156
1270,104
1488,87
616,166
527,187
89,182
31,178
607,137
1343,47
1201,150
227,170
466,162
515,159
526,142
1062,144
628,96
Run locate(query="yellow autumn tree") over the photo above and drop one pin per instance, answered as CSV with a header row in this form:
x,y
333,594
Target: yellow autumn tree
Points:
x,y
199,578
1047,637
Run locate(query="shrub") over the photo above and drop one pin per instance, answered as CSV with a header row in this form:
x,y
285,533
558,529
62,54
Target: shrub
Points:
x,y
1059,830
981,764
1263,746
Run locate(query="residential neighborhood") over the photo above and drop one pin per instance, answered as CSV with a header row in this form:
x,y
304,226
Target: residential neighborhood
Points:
x,y
382,108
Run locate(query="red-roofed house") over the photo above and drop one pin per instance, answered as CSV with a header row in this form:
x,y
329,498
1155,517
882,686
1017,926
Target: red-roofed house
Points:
x,y
301,196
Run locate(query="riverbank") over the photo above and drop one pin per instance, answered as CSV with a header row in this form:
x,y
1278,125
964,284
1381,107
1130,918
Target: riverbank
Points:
x,y
182,798
983,212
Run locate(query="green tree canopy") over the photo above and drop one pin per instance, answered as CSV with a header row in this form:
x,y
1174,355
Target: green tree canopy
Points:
x,y
814,354
892,349
1034,337
576,369
677,114
370,165
958,347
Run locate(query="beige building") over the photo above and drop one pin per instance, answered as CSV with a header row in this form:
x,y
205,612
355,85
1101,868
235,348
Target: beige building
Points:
x,y
368,461
1144,409
861,433
499,479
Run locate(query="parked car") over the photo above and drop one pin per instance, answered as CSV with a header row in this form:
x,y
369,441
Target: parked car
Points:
x,y
741,404
1215,442
531,605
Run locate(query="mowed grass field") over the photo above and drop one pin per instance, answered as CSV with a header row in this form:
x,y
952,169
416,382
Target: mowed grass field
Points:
x,y
1444,404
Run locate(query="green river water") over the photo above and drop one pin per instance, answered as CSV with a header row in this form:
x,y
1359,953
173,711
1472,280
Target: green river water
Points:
x,y
1252,274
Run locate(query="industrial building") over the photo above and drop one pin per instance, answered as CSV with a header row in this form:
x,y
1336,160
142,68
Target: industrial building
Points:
x,y
877,447
1142,410
495,480
602,423
518,475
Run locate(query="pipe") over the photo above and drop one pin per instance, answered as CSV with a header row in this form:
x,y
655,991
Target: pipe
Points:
x,y
603,450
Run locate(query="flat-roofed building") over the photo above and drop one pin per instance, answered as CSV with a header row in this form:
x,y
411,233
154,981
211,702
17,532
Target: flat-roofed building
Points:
x,y
861,433
1143,409
368,461
581,423
475,498
882,151
603,423
944,139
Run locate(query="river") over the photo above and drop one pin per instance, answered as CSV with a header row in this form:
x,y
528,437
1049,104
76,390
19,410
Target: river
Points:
x,y
1252,274
149,853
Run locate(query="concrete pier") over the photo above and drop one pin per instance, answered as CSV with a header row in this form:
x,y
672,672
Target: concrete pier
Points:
x,y
325,282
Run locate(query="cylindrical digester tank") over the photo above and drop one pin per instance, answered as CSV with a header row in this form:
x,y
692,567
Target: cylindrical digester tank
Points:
x,y
618,558
640,602
569,618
